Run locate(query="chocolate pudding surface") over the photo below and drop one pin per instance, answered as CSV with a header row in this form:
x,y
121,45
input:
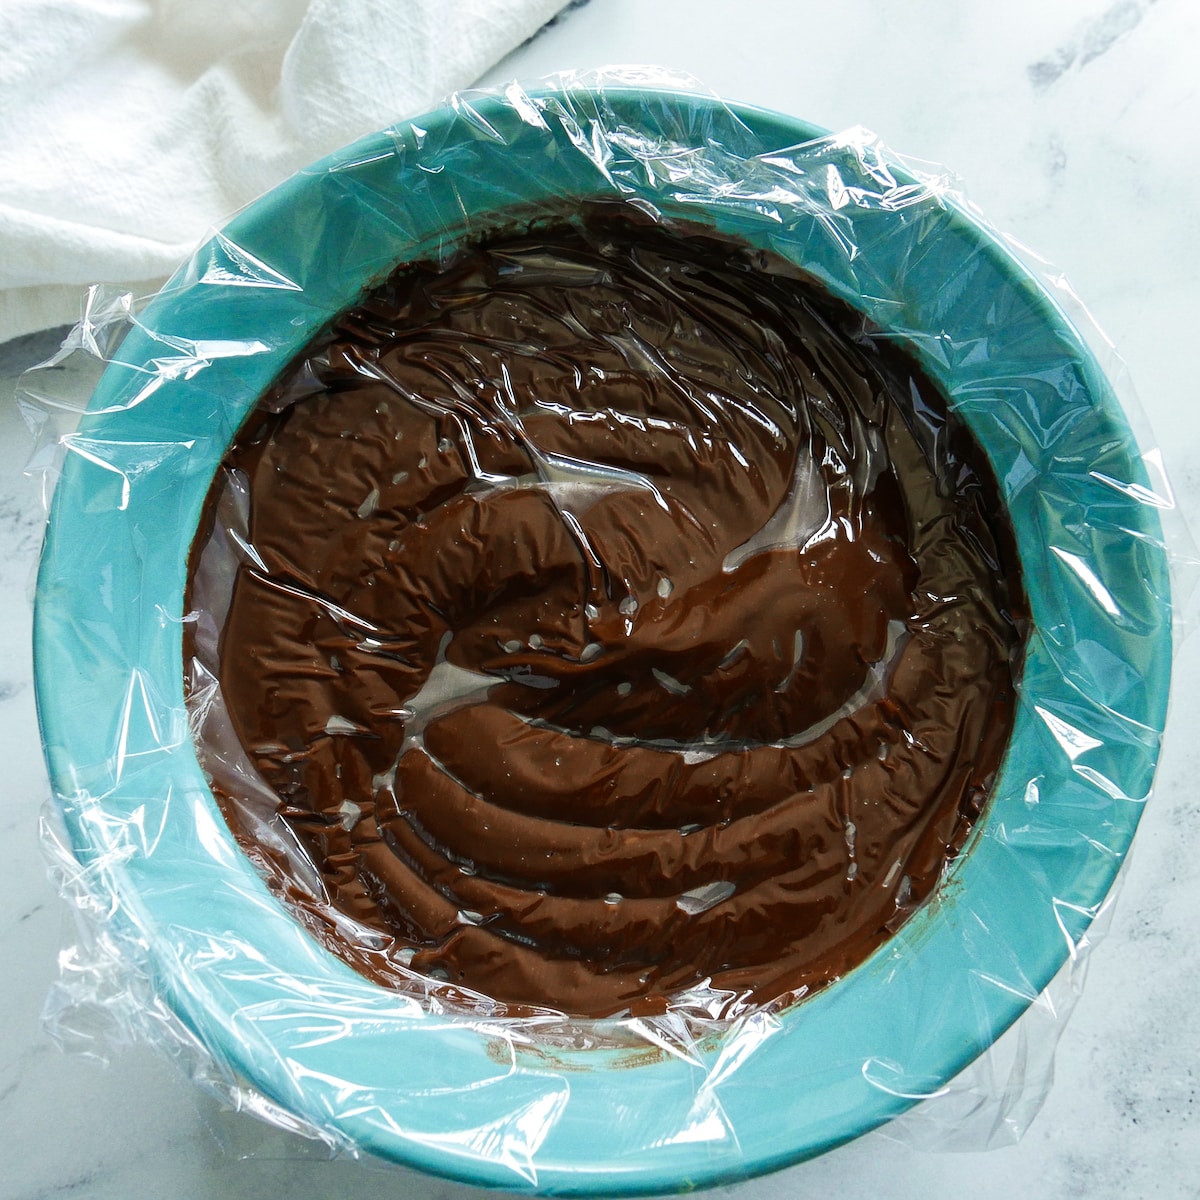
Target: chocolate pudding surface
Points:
x,y
607,619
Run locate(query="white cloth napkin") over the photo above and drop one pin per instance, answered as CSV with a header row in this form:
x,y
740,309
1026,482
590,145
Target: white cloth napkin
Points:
x,y
129,128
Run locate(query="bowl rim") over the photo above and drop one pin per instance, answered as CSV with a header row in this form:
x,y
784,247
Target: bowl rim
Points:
x,y
141,819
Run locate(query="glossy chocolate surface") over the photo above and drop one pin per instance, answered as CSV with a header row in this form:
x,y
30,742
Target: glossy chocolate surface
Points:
x,y
616,620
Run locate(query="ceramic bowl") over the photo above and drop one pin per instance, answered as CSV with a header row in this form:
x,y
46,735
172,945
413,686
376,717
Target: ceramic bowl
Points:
x,y
460,1098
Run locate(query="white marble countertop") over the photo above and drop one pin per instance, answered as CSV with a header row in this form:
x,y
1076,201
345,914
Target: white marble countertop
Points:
x,y
1075,126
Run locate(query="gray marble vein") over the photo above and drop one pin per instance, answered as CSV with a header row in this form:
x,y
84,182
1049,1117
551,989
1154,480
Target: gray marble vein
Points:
x,y
1095,38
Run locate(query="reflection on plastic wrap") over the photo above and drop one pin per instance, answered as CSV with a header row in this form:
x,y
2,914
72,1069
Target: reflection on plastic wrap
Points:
x,y
732,441
657,628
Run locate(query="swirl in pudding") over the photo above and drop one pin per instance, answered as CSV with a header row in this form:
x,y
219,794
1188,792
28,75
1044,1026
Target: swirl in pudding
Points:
x,y
617,618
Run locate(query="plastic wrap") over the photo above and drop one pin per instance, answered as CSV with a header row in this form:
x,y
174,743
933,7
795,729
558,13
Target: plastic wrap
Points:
x,y
224,956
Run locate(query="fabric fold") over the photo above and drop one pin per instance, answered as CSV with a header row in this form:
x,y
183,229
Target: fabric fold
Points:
x,y
128,128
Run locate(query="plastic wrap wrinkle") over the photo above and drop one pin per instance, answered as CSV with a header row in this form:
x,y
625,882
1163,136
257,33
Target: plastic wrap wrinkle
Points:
x,y
545,437
180,941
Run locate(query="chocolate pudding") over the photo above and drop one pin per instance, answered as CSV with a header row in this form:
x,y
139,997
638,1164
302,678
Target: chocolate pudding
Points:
x,y
615,620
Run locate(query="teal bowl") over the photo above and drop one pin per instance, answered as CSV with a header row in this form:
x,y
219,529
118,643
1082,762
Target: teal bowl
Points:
x,y
474,1099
